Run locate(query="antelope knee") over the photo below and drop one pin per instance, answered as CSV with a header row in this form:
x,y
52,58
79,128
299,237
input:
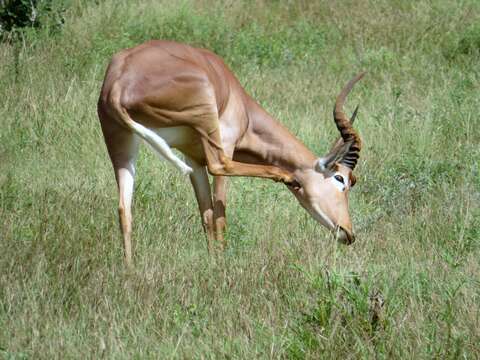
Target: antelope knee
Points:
x,y
219,169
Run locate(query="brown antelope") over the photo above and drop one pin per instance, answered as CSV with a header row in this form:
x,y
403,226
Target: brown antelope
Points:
x,y
173,95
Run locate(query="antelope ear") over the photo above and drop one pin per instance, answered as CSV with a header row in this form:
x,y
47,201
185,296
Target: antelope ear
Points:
x,y
320,165
353,180
323,164
336,155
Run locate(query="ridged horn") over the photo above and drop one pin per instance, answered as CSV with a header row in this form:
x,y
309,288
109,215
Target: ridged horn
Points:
x,y
346,150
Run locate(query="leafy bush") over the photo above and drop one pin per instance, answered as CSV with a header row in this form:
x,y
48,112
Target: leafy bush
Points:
x,y
17,14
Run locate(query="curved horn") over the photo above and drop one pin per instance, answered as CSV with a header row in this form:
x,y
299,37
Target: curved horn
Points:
x,y
347,148
339,142
344,125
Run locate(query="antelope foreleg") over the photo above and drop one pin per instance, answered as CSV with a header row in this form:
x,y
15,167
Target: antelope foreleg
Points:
x,y
201,186
221,165
219,206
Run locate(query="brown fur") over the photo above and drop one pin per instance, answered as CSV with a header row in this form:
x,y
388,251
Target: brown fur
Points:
x,y
163,84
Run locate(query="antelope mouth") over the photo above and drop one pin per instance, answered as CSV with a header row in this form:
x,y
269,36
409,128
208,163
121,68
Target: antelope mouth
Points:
x,y
344,236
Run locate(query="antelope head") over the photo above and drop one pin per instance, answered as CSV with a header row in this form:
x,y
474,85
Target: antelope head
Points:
x,y
323,188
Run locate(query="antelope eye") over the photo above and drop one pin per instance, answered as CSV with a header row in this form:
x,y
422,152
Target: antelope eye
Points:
x,y
339,178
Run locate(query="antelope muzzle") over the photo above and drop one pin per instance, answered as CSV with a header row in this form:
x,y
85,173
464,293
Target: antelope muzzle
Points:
x,y
344,236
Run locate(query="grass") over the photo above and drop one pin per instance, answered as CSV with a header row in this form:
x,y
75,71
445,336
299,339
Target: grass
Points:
x,y
283,288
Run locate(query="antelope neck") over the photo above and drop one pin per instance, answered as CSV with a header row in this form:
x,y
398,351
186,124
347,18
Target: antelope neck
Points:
x,y
268,142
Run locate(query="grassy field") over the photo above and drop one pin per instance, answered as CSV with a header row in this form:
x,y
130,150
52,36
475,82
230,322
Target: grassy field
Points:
x,y
283,288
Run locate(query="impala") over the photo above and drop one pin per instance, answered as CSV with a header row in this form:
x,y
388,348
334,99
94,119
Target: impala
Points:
x,y
173,95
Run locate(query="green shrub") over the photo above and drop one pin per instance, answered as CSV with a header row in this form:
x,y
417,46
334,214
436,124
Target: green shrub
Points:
x,y
18,14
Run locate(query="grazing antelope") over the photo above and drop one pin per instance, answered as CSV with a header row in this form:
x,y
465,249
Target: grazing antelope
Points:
x,y
175,95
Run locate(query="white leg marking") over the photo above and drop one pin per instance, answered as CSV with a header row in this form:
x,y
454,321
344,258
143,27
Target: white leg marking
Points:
x,y
125,189
125,186
161,147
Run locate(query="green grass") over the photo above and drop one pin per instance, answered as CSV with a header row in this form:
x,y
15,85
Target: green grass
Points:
x,y
283,288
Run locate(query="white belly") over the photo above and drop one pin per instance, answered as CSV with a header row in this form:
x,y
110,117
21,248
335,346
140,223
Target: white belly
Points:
x,y
178,136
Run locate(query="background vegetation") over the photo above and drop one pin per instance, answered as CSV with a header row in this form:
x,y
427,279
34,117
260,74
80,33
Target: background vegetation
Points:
x,y
284,288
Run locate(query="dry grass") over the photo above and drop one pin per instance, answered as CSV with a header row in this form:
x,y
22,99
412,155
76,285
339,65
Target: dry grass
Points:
x,y
283,289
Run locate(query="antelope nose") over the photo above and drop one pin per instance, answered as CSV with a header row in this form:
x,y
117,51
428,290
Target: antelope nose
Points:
x,y
344,236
